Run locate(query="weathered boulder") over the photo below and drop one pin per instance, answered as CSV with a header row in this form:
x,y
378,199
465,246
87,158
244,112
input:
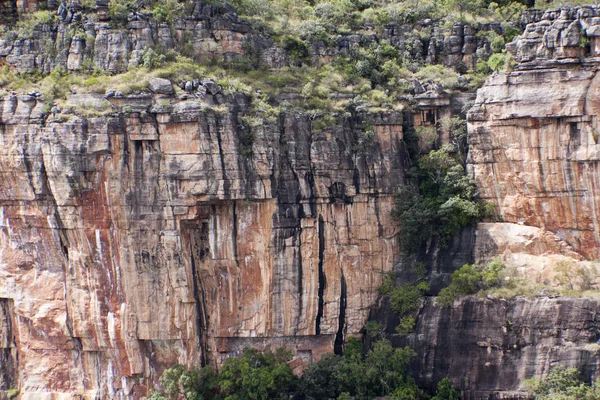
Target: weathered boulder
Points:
x,y
161,86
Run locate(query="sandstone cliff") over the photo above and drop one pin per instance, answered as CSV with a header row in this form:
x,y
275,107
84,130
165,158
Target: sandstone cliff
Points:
x,y
135,241
533,131
533,152
159,234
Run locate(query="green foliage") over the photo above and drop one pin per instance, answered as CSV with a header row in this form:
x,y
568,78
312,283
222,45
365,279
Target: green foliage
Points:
x,y
322,379
561,383
498,62
377,63
373,329
192,384
27,24
167,10
427,136
584,41
554,4
87,5
151,59
382,371
119,11
445,391
406,325
12,393
461,6
296,48
509,12
470,279
254,376
389,284
440,202
439,74
407,298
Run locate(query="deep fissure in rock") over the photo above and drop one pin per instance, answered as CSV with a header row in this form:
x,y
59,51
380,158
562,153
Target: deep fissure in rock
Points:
x,y
322,282
338,346
199,249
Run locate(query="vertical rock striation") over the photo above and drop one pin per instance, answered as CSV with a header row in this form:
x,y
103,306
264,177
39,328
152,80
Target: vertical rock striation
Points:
x,y
135,241
533,132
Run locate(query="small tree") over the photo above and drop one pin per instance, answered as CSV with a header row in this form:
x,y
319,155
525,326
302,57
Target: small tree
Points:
x,y
446,391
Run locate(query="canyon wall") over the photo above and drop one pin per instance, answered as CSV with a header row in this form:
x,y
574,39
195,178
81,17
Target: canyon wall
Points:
x,y
135,241
165,231
533,132
534,154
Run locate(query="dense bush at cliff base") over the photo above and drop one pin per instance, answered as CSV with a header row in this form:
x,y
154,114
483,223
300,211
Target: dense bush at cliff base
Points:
x,y
562,383
358,375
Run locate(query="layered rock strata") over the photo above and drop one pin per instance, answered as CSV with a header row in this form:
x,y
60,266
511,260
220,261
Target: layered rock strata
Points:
x,y
489,347
135,241
78,39
534,148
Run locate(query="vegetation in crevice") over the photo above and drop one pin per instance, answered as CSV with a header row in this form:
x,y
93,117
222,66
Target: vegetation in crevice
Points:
x,y
406,299
440,199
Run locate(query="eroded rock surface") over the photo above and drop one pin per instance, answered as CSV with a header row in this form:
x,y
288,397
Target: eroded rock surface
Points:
x,y
488,347
135,241
534,148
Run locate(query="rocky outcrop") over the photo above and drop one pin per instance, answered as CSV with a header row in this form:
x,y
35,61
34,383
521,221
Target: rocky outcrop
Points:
x,y
533,151
533,137
79,39
138,240
489,347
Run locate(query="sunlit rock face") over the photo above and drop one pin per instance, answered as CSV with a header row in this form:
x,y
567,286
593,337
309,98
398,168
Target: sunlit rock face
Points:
x,y
534,152
533,132
135,241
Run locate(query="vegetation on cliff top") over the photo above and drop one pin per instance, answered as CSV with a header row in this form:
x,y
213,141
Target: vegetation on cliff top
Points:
x,y
375,74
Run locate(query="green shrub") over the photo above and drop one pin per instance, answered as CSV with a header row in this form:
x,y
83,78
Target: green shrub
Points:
x,y
438,74
407,298
440,201
167,10
296,48
561,383
470,279
373,329
389,284
119,11
255,375
446,391
406,325
27,24
151,59
382,371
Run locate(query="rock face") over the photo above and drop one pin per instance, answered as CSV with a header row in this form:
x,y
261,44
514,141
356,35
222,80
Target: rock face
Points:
x,y
171,232
132,242
534,152
534,148
88,40
489,347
